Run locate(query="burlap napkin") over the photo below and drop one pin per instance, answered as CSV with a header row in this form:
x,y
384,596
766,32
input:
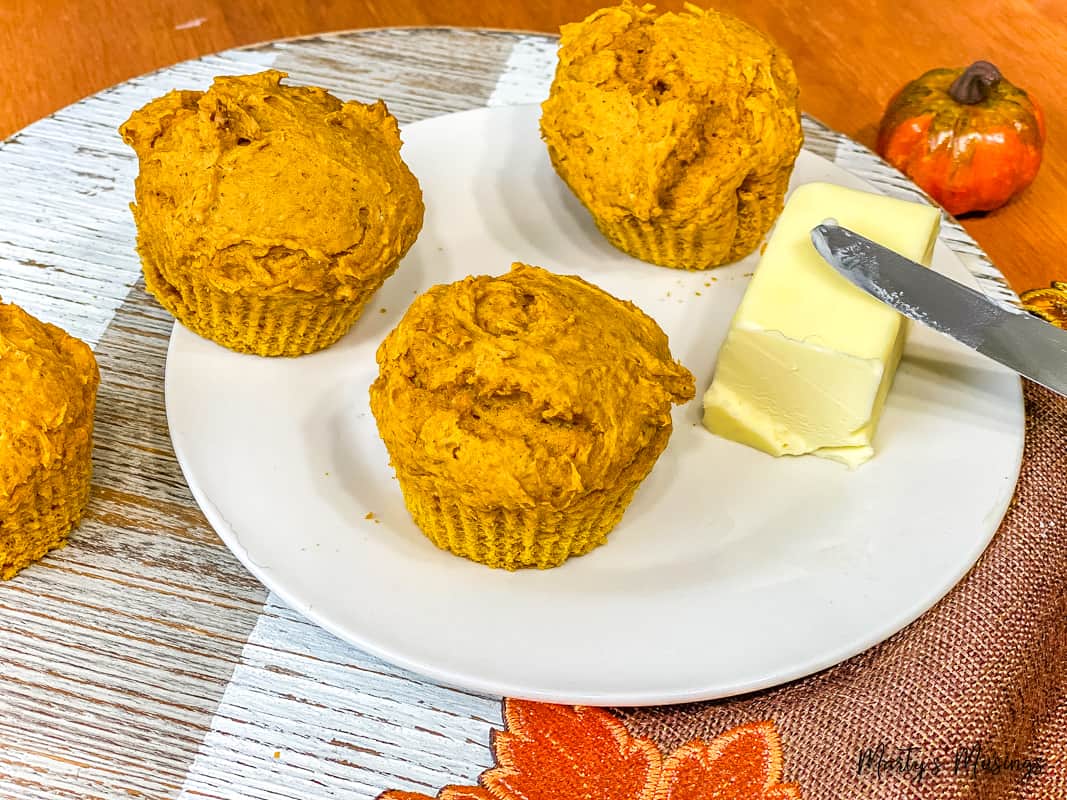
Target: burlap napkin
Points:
x,y
970,701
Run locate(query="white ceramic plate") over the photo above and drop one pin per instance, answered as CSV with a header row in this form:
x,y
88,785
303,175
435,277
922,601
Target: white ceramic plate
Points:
x,y
730,571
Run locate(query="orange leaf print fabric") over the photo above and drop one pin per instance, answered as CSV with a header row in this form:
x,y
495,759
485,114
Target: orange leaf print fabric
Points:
x,y
551,752
743,763
448,793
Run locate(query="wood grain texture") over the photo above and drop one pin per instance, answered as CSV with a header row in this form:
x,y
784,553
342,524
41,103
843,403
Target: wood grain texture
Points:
x,y
850,56
58,51
346,724
117,648
142,659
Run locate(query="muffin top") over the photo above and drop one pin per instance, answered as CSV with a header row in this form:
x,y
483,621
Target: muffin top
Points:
x,y
275,188
668,116
523,389
48,386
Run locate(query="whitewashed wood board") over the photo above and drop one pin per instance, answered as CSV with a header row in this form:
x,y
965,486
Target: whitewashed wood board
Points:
x,y
142,660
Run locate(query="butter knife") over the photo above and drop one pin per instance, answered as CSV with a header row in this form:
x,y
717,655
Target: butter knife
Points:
x,y
1018,340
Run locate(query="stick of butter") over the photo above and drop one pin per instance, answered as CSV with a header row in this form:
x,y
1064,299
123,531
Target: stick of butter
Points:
x,y
809,358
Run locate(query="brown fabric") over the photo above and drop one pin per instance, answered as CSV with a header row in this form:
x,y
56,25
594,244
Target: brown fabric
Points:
x,y
986,667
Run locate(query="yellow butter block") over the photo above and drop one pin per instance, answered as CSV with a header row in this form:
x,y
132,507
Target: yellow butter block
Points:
x,y
809,358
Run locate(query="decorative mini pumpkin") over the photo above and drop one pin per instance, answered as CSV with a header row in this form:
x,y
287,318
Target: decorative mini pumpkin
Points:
x,y
968,137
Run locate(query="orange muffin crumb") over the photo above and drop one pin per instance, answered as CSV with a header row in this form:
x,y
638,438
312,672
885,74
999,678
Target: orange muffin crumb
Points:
x,y
521,412
268,215
677,131
48,383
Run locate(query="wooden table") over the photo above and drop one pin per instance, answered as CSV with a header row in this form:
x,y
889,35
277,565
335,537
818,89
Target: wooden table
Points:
x,y
143,660
850,56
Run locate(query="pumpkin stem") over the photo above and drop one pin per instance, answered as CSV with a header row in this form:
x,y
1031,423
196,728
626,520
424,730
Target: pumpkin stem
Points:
x,y
975,83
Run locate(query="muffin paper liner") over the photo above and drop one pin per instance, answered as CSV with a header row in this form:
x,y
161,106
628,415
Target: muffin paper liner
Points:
x,y
516,538
696,247
681,248
264,325
52,503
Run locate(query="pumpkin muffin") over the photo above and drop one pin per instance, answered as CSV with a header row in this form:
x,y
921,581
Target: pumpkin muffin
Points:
x,y
677,131
267,215
521,413
48,384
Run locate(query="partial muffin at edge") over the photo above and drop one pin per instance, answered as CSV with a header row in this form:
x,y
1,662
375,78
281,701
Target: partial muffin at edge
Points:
x,y
678,132
267,215
521,412
48,383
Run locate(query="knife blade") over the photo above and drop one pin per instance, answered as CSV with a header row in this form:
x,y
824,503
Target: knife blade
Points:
x,y
1012,337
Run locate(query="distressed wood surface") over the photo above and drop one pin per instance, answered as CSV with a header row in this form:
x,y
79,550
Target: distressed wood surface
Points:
x,y
851,56
142,660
